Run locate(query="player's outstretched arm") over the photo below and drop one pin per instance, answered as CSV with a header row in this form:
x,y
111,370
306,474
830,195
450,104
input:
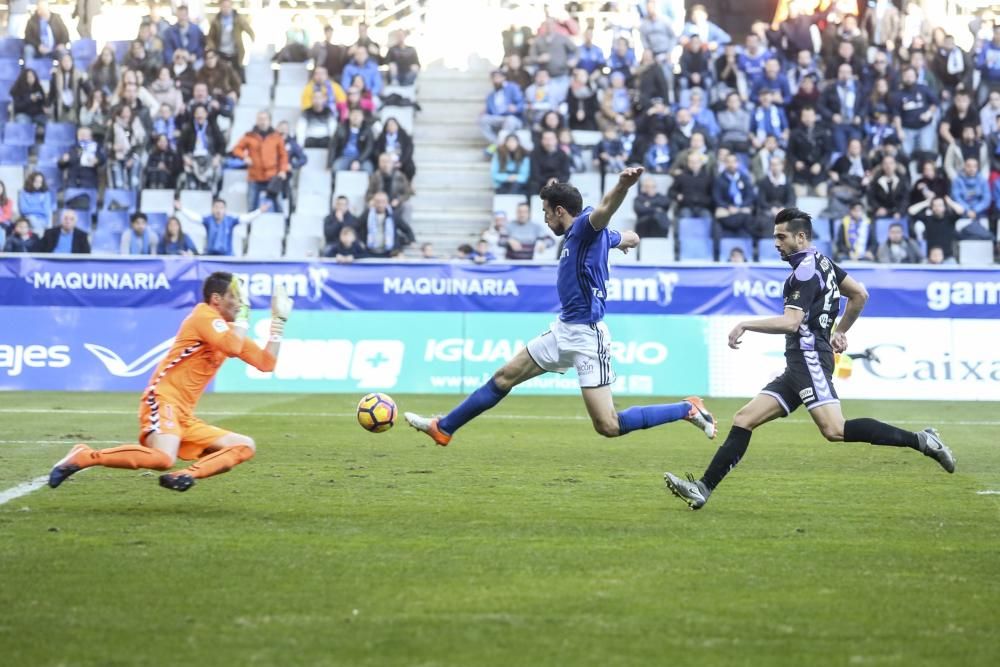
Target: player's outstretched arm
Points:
x,y
601,216
265,359
857,297
786,323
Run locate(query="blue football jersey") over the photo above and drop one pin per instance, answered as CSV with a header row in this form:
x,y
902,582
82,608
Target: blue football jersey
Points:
x,y
583,270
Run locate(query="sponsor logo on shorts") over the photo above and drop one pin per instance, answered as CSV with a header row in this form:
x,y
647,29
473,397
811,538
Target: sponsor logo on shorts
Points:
x,y
806,394
584,367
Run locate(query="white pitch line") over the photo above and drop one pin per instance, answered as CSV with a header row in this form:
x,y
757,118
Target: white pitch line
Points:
x,y
988,493
24,489
579,417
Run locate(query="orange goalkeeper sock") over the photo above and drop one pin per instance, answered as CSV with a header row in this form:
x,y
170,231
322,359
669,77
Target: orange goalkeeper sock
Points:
x,y
218,462
126,456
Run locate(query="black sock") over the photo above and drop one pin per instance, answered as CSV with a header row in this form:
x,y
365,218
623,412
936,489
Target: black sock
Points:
x,y
727,456
878,433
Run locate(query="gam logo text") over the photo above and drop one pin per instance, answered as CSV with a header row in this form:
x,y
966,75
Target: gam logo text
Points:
x,y
15,358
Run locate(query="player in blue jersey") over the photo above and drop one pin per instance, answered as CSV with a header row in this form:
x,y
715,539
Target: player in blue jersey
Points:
x,y
812,302
579,338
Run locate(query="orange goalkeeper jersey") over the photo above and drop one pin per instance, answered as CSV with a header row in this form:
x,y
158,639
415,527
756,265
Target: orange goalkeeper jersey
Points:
x,y
202,343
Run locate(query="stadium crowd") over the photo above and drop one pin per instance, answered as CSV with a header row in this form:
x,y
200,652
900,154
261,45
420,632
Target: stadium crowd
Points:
x,y
158,145
879,125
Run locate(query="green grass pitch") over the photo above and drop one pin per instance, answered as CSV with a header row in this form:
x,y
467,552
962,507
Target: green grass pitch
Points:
x,y
529,541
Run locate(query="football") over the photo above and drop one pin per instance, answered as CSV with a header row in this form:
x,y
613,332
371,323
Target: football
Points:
x,y
377,412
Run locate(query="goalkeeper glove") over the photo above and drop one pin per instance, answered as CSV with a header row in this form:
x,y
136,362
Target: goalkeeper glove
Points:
x,y
281,308
243,294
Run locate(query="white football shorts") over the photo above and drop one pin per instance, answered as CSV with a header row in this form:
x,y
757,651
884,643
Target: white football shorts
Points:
x,y
585,347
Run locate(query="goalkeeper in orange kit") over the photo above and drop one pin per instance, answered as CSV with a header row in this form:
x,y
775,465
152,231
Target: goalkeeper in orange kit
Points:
x,y
168,429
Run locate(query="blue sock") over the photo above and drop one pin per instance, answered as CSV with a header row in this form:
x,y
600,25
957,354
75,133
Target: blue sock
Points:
x,y
474,405
648,416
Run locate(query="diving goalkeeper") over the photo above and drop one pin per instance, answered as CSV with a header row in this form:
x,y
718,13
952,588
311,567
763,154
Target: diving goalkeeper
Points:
x,y
214,331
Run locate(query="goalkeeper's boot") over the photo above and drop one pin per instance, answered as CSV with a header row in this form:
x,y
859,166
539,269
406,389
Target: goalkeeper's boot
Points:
x,y
428,426
701,417
176,481
692,491
931,445
68,465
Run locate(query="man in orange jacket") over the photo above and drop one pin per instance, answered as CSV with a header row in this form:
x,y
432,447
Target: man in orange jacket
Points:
x,y
168,429
264,152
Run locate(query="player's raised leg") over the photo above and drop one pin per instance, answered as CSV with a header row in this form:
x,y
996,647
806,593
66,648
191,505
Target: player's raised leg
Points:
x,y
611,423
830,420
159,453
519,369
695,492
222,455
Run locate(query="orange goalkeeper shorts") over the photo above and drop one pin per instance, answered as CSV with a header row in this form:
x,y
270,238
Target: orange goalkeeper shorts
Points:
x,y
159,416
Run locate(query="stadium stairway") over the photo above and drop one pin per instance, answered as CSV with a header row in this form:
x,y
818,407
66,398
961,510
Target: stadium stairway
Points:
x,y
453,187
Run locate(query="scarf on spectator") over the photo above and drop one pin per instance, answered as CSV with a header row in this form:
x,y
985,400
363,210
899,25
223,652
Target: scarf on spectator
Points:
x,y
387,233
879,134
777,181
956,63
45,34
139,245
848,98
857,167
772,124
620,101
735,191
856,232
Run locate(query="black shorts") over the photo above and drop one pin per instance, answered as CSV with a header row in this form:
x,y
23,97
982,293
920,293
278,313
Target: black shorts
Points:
x,y
807,380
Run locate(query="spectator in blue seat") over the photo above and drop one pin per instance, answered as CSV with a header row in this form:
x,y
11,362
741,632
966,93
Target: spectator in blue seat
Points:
x,y
914,109
888,189
128,150
183,74
340,216
856,237
768,120
692,189
971,191
28,99
347,247
702,116
163,167
734,124
751,60
616,102
222,79
695,65
317,124
22,238
175,241
734,197
582,105
774,80
845,55
809,149
35,201
622,58
482,254
514,70
183,35
710,34
296,156
523,236
66,238
219,226
383,233
651,210
657,158
138,239
226,33
201,146
103,72
395,141
577,163
898,249
589,57
541,97
82,161
774,193
67,90
548,163
45,34
934,221
843,106
6,208
504,106
968,146
353,145
167,92
510,167
165,124
139,60
988,64
403,61
363,66
804,67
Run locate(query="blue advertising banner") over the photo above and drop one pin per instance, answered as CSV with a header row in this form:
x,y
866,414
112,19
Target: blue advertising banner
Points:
x,y
675,290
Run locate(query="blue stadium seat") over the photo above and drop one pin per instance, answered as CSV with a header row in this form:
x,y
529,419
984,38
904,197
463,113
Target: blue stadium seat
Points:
x,y
10,69
83,219
17,155
49,154
157,222
882,227
124,200
766,251
696,248
727,244
73,193
824,247
60,134
42,66
116,221
121,48
694,228
53,177
19,134
105,241
83,51
822,228
11,47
